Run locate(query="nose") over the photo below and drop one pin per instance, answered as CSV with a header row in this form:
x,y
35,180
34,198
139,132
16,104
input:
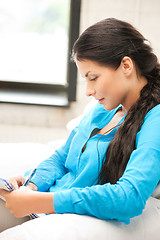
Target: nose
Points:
x,y
90,91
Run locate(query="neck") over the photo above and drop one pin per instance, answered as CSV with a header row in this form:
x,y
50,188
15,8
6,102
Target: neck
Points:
x,y
134,92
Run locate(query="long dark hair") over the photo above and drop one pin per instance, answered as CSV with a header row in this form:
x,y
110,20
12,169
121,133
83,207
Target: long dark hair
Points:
x,y
107,43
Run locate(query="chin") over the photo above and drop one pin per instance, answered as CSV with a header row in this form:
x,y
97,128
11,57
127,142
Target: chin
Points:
x,y
110,107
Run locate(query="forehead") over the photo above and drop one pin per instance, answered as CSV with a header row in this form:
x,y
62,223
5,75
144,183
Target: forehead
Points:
x,y
87,63
85,66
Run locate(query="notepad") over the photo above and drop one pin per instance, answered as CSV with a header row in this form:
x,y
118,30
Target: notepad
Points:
x,y
4,184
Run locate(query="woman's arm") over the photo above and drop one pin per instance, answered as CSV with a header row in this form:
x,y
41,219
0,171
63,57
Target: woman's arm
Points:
x,y
121,201
23,202
126,198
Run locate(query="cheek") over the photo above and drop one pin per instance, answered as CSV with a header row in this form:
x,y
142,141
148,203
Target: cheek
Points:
x,y
119,86
118,95
110,83
115,95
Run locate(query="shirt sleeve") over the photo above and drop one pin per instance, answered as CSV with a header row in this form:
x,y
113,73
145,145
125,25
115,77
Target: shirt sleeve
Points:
x,y
54,167
126,198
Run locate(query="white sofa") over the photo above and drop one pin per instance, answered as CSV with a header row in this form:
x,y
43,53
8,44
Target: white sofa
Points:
x,y
16,158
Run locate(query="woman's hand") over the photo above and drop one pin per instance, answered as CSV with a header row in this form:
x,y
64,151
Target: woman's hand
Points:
x,y
16,201
31,186
23,201
17,181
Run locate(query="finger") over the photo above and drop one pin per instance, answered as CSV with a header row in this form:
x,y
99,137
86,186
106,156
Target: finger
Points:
x,y
17,181
3,193
13,182
20,180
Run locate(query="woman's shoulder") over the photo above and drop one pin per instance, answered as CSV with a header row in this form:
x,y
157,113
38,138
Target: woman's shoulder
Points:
x,y
150,130
154,112
152,118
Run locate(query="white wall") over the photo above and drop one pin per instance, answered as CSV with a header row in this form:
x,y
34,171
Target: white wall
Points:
x,y
144,14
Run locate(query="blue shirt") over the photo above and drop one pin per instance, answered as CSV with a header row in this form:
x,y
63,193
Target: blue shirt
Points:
x,y
73,175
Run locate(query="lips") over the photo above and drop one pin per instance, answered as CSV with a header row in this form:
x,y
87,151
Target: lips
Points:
x,y
100,100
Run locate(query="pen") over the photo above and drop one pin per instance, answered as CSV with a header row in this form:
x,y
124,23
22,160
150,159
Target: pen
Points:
x,y
33,215
29,177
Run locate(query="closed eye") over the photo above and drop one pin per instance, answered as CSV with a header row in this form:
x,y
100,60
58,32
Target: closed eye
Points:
x,y
93,79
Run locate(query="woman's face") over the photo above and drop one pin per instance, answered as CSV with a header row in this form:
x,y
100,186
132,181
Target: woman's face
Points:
x,y
107,85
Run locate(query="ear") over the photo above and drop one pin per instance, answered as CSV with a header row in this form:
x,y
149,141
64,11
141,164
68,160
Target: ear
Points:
x,y
127,66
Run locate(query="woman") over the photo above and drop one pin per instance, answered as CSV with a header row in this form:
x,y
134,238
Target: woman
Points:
x,y
110,164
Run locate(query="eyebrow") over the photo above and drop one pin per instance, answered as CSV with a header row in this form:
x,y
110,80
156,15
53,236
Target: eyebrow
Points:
x,y
86,75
